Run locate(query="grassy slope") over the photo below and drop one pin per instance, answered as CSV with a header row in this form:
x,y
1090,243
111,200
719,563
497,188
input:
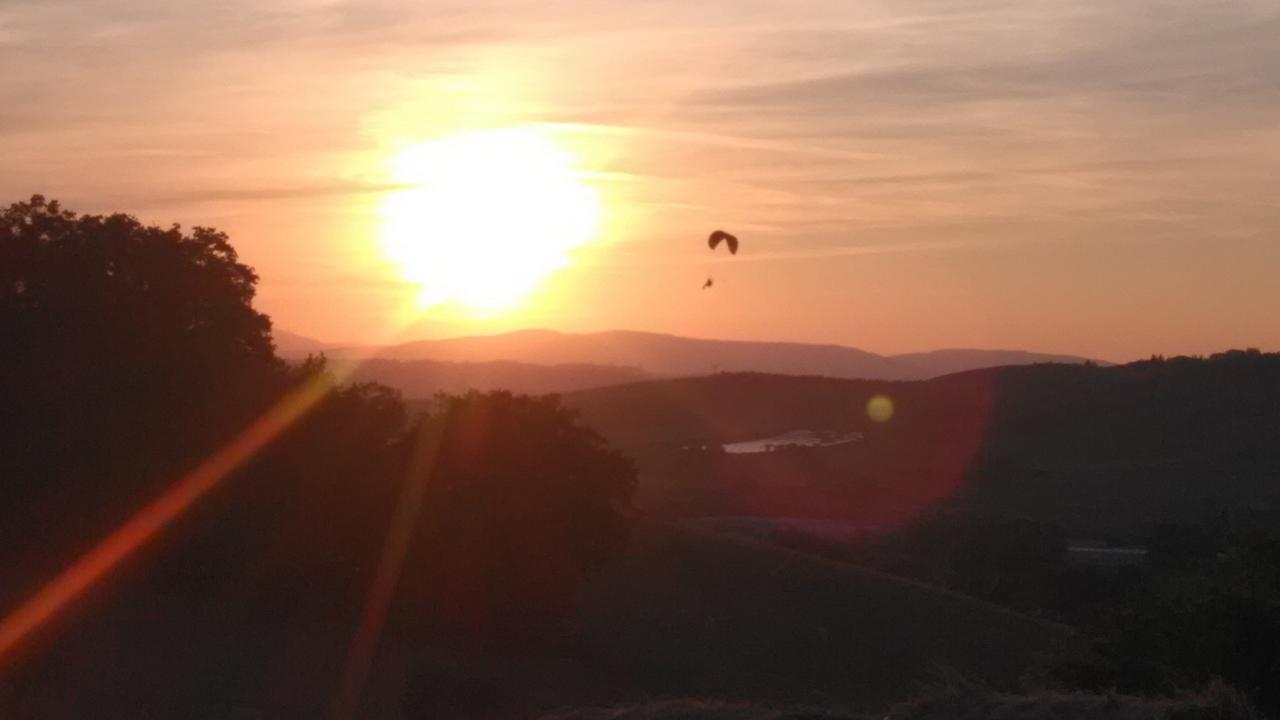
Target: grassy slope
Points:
x,y
693,613
685,613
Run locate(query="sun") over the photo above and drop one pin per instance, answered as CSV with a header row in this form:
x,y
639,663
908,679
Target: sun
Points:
x,y
485,216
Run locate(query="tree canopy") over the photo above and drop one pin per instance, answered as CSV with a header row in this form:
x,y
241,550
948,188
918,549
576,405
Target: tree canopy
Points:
x,y
523,500
111,326
132,352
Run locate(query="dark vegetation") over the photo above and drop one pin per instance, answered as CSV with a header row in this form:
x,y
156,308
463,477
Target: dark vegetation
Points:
x,y
531,582
704,615
954,699
1175,456
133,352
1101,451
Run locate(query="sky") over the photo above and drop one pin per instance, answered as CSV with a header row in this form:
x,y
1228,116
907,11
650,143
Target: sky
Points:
x,y
1079,176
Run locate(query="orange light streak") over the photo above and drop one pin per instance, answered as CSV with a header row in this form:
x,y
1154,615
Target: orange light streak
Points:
x,y
153,517
373,616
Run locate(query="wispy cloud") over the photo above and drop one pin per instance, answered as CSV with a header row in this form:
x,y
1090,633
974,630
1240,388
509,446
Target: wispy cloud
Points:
x,y
826,129
251,194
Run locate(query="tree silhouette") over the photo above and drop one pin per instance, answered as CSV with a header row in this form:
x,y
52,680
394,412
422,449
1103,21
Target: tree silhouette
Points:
x,y
132,352
129,352
523,501
109,324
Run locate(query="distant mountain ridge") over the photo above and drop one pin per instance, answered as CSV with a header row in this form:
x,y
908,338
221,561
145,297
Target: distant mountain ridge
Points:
x,y
655,353
292,345
508,360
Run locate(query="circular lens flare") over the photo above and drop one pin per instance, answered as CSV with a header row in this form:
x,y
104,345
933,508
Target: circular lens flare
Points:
x,y
880,408
486,216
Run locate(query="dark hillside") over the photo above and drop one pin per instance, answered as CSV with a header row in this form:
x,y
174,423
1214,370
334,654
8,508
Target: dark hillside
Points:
x,y
1100,449
683,612
693,613
937,363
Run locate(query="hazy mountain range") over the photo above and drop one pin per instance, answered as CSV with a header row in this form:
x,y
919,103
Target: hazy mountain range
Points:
x,y
539,361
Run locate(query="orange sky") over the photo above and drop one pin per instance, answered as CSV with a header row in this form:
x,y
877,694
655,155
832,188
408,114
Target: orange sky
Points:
x,y
1059,175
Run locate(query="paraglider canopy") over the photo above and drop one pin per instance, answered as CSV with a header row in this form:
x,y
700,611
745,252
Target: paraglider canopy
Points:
x,y
714,240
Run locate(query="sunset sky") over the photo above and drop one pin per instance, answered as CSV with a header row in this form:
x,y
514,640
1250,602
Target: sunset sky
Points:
x,y
1084,176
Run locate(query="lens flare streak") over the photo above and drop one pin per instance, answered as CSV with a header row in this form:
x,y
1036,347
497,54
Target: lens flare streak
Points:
x,y
152,518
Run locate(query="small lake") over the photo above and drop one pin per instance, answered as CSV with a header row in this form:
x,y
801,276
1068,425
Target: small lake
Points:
x,y
794,438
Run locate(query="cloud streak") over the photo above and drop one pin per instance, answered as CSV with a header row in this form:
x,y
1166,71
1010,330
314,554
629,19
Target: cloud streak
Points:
x,y
1012,129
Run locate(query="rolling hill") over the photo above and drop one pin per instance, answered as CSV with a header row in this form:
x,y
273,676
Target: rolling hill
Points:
x,y
293,346
946,362
1097,449
655,353
425,378
510,360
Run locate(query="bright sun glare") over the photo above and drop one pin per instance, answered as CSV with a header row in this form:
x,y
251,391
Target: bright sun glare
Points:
x,y
487,215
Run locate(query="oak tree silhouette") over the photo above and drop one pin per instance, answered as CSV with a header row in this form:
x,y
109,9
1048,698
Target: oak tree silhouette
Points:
x,y
129,351
132,352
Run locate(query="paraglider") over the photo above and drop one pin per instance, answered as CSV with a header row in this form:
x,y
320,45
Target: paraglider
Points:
x,y
714,240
